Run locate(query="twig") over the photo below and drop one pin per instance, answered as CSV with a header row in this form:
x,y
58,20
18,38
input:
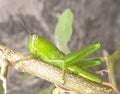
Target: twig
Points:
x,y
40,69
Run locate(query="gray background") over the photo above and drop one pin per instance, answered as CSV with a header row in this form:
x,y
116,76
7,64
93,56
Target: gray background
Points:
x,y
94,20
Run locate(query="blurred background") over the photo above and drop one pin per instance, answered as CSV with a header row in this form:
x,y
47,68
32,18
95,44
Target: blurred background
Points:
x,y
94,20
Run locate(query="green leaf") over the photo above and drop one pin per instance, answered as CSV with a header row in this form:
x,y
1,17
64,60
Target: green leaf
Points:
x,y
63,31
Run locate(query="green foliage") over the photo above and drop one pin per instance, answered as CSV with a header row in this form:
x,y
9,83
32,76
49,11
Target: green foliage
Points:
x,y
63,31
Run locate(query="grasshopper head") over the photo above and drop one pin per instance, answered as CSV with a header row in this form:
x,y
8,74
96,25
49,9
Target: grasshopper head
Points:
x,y
32,43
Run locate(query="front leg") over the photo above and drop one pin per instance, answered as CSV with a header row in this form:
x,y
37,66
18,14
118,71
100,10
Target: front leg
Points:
x,y
3,73
60,64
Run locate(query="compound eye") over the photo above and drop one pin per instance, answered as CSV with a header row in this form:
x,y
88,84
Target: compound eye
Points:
x,y
34,37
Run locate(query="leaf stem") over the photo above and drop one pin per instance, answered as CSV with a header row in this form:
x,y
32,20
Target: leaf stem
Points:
x,y
111,65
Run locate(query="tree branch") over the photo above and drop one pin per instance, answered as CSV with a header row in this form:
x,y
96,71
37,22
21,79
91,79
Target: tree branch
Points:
x,y
40,69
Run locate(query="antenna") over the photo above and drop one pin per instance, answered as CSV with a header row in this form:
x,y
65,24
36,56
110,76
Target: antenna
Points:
x,y
23,23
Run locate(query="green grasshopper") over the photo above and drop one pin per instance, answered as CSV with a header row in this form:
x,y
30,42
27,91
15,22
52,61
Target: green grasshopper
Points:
x,y
47,52
75,62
